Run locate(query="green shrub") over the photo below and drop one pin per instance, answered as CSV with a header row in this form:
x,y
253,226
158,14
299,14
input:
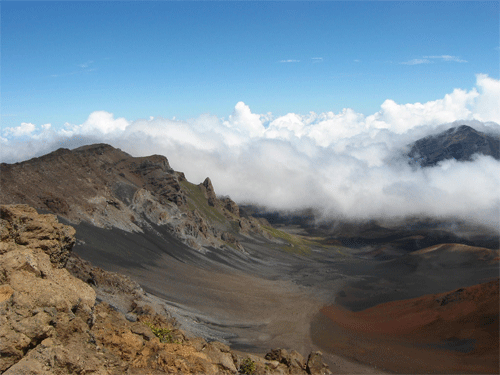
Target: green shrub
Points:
x,y
247,367
164,334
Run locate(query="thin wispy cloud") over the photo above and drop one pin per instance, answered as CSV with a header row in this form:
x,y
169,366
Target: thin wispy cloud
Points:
x,y
431,59
64,74
416,62
357,61
84,68
446,58
317,59
289,61
86,64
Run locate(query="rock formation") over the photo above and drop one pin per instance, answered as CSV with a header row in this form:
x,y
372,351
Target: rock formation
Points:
x,y
209,191
54,323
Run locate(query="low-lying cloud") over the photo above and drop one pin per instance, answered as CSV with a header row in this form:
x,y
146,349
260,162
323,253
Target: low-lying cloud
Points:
x,y
344,164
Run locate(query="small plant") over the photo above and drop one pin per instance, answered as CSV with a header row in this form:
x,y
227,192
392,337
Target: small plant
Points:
x,y
164,334
247,367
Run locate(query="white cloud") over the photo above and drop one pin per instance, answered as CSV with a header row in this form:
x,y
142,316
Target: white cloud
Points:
x,y
488,101
416,62
446,58
317,59
99,121
26,128
286,126
346,164
430,59
402,117
245,121
289,61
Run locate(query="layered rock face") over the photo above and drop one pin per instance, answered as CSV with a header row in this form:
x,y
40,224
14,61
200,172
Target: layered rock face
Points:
x,y
50,322
108,188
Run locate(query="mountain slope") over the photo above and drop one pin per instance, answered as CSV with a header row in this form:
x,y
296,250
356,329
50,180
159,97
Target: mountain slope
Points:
x,y
108,188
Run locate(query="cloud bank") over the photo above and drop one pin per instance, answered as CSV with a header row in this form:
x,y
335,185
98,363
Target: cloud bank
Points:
x,y
345,164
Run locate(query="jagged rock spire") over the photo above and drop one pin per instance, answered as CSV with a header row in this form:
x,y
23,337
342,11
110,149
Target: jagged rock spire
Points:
x,y
209,191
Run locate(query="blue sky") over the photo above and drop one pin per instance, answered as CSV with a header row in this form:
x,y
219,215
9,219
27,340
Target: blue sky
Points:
x,y
61,61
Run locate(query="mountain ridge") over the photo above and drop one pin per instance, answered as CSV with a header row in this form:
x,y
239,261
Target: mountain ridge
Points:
x,y
107,187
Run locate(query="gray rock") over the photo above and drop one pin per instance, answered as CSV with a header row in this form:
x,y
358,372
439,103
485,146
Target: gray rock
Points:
x,y
131,317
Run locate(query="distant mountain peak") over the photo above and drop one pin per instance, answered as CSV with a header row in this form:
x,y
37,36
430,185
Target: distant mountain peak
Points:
x,y
459,143
464,127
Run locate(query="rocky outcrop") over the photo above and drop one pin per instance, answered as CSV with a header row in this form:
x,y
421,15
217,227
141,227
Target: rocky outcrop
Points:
x,y
41,302
90,321
209,192
293,360
315,364
22,226
296,364
231,206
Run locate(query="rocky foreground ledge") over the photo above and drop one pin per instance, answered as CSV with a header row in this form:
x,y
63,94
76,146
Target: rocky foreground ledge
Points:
x,y
52,322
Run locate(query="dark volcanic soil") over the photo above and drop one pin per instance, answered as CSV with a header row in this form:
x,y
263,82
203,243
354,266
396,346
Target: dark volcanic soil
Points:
x,y
248,300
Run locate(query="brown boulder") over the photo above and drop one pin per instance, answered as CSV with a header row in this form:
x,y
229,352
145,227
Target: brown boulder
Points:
x,y
293,360
315,364
220,355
